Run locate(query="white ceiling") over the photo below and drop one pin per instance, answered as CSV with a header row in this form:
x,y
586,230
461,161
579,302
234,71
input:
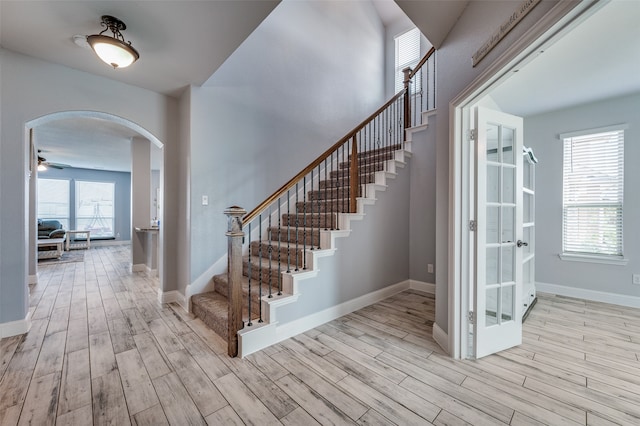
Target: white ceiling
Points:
x,y
181,42
598,59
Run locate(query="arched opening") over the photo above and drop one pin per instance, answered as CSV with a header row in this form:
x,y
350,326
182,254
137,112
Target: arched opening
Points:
x,y
96,128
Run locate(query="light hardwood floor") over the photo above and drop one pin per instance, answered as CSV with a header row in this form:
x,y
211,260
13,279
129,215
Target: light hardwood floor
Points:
x,y
102,350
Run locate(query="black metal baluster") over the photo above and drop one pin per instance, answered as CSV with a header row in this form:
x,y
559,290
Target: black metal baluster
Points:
x,y
270,250
326,206
249,324
304,225
337,192
311,208
288,232
279,249
297,228
260,267
318,210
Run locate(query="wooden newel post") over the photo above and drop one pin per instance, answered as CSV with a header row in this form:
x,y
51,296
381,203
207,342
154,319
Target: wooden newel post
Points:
x,y
235,236
354,177
407,103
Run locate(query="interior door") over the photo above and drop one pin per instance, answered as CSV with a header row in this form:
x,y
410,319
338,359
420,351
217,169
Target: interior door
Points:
x,y
498,246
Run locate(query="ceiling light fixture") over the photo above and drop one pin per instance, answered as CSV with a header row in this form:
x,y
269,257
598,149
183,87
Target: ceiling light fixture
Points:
x,y
113,50
42,167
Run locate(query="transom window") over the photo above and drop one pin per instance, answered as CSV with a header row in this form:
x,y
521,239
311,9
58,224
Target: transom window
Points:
x,y
593,181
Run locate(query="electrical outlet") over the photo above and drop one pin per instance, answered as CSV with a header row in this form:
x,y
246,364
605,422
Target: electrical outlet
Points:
x,y
430,268
636,279
205,200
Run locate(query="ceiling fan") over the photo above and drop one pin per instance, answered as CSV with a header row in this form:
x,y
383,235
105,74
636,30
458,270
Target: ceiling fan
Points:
x,y
43,164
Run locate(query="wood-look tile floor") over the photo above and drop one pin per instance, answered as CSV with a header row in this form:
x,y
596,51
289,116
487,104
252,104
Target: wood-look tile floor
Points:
x,y
102,350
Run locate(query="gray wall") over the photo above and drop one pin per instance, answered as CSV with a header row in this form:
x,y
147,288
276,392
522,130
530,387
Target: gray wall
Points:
x,y
306,76
32,88
122,180
542,134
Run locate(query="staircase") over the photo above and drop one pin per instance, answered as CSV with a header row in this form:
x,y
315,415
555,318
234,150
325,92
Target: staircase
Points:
x,y
287,249
289,231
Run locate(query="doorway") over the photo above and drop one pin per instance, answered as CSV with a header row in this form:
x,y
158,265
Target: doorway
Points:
x,y
477,298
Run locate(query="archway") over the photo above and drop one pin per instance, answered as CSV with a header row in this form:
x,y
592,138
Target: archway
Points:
x,y
135,129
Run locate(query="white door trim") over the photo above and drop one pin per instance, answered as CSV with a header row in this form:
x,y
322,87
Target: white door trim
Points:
x,y
562,18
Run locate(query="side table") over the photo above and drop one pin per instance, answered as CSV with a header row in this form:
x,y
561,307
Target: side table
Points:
x,y
78,244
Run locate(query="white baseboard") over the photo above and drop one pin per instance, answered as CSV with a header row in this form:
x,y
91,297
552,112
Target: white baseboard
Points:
x,y
593,295
14,328
259,338
33,279
173,296
422,286
139,267
99,243
441,337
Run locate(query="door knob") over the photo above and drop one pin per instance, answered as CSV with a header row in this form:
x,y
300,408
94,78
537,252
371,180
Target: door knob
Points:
x,y
521,243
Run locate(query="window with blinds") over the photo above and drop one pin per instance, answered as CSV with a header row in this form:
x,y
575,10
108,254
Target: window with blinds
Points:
x,y
593,180
407,55
53,200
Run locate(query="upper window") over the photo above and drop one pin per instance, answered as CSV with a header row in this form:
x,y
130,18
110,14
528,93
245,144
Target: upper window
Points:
x,y
95,210
407,55
592,201
53,200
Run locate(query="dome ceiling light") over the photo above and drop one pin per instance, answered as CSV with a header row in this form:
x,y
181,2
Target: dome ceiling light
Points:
x,y
113,50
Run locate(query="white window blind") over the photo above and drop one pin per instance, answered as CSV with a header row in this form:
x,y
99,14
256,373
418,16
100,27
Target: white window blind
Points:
x,y
593,181
53,200
407,55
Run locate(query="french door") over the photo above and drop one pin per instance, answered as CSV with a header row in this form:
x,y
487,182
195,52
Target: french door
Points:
x,y
497,318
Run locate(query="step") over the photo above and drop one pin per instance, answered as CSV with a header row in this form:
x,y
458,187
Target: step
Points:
x,y
213,309
222,287
332,193
377,151
379,158
320,220
288,233
288,254
340,205
262,267
344,181
368,168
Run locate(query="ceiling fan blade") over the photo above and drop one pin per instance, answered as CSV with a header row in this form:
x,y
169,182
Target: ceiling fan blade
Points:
x,y
57,165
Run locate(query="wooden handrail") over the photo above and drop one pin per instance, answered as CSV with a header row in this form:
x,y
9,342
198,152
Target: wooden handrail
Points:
x,y
292,182
422,62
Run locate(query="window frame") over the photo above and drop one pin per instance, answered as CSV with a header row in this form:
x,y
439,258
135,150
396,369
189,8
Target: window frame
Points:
x,y
586,256
78,217
398,74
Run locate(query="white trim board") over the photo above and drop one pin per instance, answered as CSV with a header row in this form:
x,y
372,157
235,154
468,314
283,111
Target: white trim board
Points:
x,y
251,341
593,295
33,279
441,337
14,328
422,286
171,297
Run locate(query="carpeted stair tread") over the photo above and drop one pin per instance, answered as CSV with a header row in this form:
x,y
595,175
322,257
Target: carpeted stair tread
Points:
x,y
291,254
213,309
222,287
367,168
363,161
288,233
337,205
332,193
377,151
321,220
344,182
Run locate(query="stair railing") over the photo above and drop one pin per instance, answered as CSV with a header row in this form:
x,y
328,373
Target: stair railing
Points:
x,y
285,225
